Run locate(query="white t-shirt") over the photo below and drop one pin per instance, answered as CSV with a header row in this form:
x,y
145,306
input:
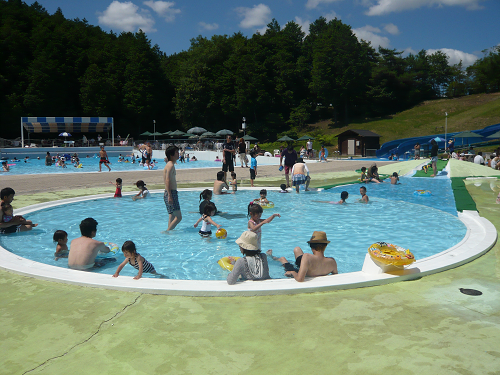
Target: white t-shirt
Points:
x,y
478,159
309,145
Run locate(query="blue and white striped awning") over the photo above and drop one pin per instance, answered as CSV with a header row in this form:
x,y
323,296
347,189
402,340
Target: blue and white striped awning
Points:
x,y
67,124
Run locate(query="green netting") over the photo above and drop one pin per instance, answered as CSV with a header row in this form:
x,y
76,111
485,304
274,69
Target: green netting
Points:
x,y
441,164
463,200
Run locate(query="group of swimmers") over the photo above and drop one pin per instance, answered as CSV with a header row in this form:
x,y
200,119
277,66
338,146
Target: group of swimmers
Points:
x,y
371,175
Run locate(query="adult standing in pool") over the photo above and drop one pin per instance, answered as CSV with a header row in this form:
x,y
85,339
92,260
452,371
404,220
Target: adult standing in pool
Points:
x,y
290,156
83,250
149,154
103,159
228,152
48,159
434,157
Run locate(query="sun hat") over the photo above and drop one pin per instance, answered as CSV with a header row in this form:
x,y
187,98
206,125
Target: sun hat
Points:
x,y
318,237
248,241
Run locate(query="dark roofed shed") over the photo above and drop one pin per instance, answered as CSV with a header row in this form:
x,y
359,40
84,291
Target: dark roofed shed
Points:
x,y
358,142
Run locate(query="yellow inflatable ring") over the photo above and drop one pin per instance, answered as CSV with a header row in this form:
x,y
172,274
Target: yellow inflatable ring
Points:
x,y
264,205
113,248
226,264
389,254
422,192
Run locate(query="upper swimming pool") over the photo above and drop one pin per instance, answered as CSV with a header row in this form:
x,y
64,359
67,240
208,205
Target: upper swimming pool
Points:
x,y
91,164
425,225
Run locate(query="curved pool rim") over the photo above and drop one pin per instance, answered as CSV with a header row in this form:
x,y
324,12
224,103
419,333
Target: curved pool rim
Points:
x,y
480,237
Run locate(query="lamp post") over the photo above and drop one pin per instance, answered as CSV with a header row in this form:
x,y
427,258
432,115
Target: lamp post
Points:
x,y
445,129
154,130
244,126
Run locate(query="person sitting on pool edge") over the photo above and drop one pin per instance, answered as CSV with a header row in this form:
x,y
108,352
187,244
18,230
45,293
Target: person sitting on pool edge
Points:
x,y
311,265
83,250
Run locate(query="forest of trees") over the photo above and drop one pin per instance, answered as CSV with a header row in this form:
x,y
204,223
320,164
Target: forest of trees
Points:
x,y
279,80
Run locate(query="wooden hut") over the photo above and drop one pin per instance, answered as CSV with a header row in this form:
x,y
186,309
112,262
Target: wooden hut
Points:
x,y
358,142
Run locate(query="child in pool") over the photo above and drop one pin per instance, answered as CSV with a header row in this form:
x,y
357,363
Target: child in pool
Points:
x,y
343,196
8,215
61,238
364,177
364,197
5,167
255,223
143,193
135,259
118,184
234,182
206,195
206,230
394,178
263,197
283,188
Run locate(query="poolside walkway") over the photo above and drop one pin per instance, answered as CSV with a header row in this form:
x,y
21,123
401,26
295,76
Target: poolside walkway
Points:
x,y
424,326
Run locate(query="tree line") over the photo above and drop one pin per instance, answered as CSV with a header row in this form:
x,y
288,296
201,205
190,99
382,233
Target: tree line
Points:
x,y
280,80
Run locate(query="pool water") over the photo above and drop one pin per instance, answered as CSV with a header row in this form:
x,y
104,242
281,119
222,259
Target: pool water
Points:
x,y
35,166
416,224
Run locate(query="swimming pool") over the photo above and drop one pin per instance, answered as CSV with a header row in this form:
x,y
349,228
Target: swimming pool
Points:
x,y
182,254
91,164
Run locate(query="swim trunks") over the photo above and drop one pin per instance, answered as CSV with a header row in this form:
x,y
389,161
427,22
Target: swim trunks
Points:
x,y
103,160
299,179
252,174
228,165
288,169
11,229
175,205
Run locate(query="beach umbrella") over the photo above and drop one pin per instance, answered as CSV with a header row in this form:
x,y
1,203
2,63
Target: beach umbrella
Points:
x,y
224,132
437,139
249,138
194,136
196,130
306,138
494,135
208,134
156,133
64,134
147,133
167,133
286,138
178,133
467,134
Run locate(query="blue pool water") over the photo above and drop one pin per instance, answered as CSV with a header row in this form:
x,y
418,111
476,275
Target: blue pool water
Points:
x,y
426,225
35,166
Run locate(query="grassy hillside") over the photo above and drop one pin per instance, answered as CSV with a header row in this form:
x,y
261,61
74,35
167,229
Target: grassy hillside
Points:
x,y
466,113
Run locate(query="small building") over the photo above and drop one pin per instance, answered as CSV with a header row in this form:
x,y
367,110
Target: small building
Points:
x,y
358,142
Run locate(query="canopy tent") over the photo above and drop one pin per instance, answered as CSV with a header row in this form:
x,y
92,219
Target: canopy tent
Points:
x,y
67,124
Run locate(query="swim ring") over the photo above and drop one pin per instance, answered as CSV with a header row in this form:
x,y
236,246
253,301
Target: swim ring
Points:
x,y
113,248
389,254
424,193
226,264
264,205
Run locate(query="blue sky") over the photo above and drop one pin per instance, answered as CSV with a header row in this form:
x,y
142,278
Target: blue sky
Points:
x,y
460,28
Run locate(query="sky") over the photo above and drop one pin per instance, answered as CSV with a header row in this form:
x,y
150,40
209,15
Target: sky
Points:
x,y
462,29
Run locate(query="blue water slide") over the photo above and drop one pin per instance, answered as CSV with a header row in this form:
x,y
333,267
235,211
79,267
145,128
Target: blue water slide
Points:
x,y
401,146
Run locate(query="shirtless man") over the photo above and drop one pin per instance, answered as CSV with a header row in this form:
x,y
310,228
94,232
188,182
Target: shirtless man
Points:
x,y
103,159
83,250
311,265
300,175
220,184
170,196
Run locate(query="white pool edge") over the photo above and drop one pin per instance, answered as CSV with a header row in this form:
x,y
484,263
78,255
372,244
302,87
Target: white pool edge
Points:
x,y
481,236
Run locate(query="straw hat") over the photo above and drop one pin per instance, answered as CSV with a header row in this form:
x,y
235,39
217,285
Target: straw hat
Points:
x,y
318,237
248,241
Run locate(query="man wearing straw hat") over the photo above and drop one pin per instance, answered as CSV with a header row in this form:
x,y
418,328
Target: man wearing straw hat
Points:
x,y
311,265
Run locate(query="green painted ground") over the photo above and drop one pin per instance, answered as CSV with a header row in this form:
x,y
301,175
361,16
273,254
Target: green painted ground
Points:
x,y
418,327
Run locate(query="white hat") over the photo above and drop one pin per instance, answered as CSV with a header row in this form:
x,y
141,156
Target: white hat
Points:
x,y
248,241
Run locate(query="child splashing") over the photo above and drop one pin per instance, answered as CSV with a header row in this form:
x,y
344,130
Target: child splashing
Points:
x,y
135,259
208,211
255,223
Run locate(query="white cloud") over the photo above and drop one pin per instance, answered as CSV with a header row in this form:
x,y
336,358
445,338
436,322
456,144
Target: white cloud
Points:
x,y
330,16
259,15
164,9
389,6
455,56
312,4
304,24
126,17
391,29
370,34
409,50
208,26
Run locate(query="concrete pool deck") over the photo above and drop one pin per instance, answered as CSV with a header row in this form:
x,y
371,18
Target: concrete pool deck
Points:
x,y
423,326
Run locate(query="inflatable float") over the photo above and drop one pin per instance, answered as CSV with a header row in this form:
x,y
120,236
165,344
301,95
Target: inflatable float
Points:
x,y
389,254
425,193
263,205
113,248
227,263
